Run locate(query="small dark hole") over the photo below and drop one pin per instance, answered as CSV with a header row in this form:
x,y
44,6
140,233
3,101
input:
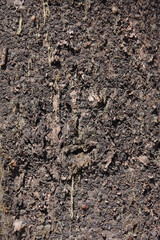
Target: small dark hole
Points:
x,y
155,111
157,146
69,108
115,123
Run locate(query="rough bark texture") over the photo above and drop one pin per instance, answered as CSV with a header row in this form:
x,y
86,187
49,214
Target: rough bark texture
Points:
x,y
79,119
